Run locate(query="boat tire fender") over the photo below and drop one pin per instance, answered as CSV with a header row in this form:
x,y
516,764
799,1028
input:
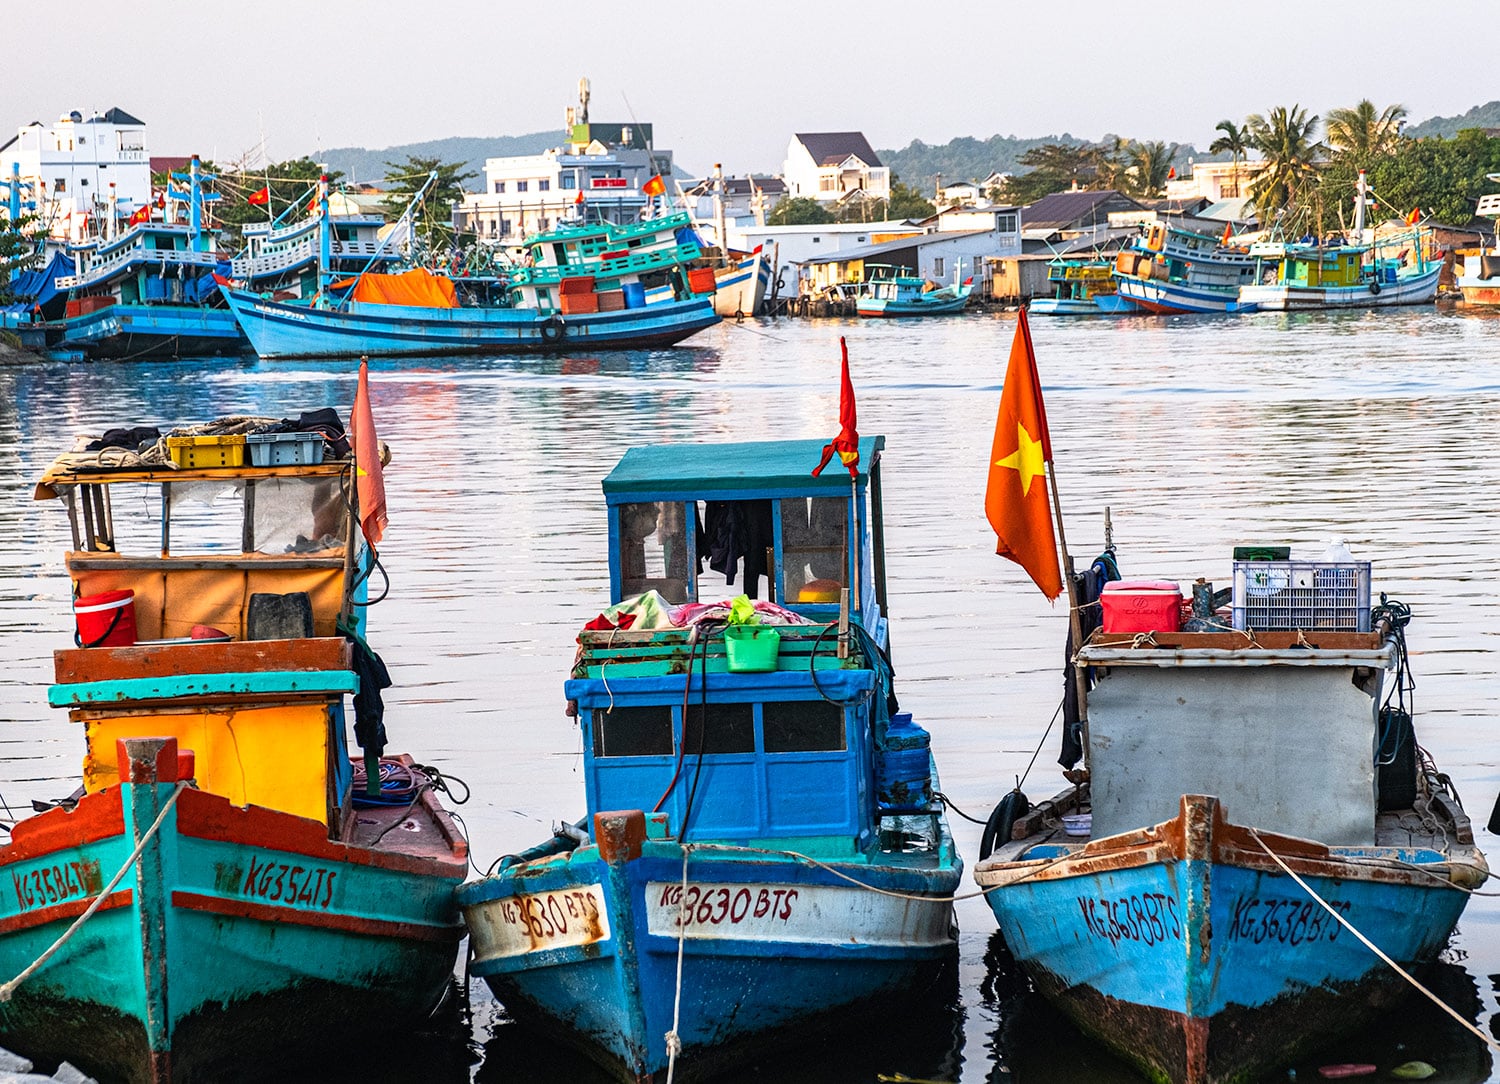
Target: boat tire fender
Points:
x,y
1002,819
553,329
1374,287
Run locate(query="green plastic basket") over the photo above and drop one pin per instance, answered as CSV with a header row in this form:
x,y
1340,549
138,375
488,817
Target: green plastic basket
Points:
x,y
751,648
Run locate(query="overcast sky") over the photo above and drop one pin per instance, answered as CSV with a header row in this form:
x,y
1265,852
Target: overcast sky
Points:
x,y
724,81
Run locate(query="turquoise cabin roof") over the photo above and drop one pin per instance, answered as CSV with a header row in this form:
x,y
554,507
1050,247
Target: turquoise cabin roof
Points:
x,y
706,468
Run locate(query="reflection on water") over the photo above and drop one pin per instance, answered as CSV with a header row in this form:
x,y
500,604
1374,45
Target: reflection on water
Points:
x,y
1197,433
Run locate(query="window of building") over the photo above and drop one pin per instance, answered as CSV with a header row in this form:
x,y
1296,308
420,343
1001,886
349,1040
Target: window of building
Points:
x,y
60,184
816,240
569,181
505,227
544,224
937,267
544,185
82,140
1005,223
520,186
499,186
633,732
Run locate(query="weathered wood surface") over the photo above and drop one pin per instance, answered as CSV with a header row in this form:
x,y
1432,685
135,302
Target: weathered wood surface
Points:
x,y
76,665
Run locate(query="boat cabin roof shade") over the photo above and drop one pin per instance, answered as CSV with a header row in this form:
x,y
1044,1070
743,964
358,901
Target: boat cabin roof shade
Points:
x,y
61,473
701,469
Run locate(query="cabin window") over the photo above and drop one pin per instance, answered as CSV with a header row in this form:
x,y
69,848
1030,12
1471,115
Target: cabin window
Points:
x,y
802,726
295,515
814,547
654,549
730,728
633,732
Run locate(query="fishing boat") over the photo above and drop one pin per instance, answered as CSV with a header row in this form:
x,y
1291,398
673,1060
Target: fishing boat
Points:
x,y
1254,805
761,850
584,288
1362,274
1081,288
1477,274
223,891
1170,270
892,291
742,281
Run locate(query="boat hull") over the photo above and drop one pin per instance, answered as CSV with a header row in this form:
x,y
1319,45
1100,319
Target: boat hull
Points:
x,y
768,943
1281,297
239,930
1104,305
281,330
1155,295
880,307
1186,949
124,331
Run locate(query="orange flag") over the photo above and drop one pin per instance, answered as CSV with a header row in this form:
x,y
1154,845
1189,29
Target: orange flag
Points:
x,y
1227,234
1415,216
847,442
369,475
655,186
1015,500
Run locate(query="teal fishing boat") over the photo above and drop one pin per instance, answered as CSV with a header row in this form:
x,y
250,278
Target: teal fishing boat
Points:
x,y
1081,288
892,291
223,891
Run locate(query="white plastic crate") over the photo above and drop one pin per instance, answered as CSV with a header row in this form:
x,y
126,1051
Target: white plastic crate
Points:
x,y
285,449
1271,595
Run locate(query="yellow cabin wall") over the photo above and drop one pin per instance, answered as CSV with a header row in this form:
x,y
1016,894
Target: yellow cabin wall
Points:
x,y
274,756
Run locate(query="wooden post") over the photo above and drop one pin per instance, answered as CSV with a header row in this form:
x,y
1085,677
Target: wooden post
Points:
x,y
843,622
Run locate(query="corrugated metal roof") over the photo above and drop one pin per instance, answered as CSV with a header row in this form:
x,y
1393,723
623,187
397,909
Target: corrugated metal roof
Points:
x,y
885,248
1065,208
831,148
704,468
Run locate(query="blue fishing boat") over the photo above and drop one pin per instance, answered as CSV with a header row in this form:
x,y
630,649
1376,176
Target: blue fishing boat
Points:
x,y
1254,802
1081,288
761,849
888,291
584,288
223,891
1170,269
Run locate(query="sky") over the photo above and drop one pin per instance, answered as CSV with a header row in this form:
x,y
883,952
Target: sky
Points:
x,y
726,82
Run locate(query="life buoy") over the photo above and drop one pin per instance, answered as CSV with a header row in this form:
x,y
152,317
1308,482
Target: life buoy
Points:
x,y
1155,238
553,329
1374,287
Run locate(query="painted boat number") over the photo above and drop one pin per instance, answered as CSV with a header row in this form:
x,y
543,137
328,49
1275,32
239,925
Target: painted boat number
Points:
x,y
1287,922
545,916
57,883
289,885
717,904
540,921
1148,917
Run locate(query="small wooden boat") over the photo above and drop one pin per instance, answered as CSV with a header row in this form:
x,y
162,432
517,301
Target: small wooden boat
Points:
x,y
1248,795
221,894
1081,288
888,292
1175,270
761,849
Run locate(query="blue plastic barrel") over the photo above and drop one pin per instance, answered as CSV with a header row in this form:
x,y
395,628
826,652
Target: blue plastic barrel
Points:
x,y
635,295
903,767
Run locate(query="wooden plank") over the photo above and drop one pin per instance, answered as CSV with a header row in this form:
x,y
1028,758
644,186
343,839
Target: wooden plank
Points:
x,y
175,660
1319,638
200,686
82,562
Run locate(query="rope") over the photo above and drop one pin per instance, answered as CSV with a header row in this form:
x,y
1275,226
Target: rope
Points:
x,y
1397,968
9,989
674,1040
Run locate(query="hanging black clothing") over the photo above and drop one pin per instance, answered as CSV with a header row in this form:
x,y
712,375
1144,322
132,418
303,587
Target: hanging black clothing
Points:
x,y
735,529
1089,584
369,708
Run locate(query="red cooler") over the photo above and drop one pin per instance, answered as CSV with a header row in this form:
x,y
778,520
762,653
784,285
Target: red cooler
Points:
x,y
1142,606
105,620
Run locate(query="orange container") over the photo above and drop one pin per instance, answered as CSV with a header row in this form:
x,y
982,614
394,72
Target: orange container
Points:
x,y
611,300
578,303
701,280
579,284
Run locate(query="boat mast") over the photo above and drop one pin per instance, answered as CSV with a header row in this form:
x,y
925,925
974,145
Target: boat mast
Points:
x,y
1360,189
325,241
719,213
110,225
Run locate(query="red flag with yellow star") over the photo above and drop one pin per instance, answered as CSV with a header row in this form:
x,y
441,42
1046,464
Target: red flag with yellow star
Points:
x,y
846,444
1015,500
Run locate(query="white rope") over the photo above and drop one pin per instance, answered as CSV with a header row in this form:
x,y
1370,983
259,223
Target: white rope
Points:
x,y
674,1041
7,990
1397,968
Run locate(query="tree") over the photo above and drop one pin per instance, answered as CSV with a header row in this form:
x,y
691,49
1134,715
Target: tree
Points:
x,y
1053,167
433,217
19,251
1234,142
798,211
1362,134
907,203
1150,166
1288,140
288,183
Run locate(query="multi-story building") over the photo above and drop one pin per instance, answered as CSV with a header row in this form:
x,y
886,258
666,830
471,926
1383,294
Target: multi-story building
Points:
x,y
72,164
834,166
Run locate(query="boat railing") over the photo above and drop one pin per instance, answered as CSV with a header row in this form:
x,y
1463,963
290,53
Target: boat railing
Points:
x,y
634,262
138,253
290,255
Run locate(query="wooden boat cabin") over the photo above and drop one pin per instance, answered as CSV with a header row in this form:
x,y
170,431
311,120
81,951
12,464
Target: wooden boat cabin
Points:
x,y
784,753
209,604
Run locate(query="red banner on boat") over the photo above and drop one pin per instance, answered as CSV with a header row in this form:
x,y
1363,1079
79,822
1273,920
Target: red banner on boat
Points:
x,y
260,198
847,442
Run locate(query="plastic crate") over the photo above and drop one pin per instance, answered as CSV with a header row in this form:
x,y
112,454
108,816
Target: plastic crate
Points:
x,y
285,449
196,453
1272,595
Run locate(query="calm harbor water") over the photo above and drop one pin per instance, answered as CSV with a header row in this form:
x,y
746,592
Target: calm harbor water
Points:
x,y
1198,433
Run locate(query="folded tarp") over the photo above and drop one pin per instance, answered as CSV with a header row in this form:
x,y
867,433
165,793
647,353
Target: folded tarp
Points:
x,y
40,286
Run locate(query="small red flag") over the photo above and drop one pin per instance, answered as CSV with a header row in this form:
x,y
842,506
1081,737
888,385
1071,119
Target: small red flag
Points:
x,y
260,198
139,215
1015,499
161,200
1228,233
1172,173
369,475
1415,216
655,186
847,442
578,199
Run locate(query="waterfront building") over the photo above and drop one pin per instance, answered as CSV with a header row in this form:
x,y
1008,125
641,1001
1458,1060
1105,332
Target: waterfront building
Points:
x,y
833,166
747,200
76,164
1215,181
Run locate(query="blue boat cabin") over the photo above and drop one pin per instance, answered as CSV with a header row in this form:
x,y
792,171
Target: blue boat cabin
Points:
x,y
779,754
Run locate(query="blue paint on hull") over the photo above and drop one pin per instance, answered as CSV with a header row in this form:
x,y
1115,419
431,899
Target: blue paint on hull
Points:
x,y
123,330
1154,295
281,330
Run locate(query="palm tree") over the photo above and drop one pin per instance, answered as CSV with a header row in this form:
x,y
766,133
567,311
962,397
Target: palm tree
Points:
x,y
1150,166
1361,133
1288,140
1235,141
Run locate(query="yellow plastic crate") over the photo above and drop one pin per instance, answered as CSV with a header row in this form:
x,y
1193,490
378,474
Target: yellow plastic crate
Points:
x,y
196,453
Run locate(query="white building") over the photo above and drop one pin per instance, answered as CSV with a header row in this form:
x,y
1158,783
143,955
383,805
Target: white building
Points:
x,y
73,163
832,166
1216,181
605,164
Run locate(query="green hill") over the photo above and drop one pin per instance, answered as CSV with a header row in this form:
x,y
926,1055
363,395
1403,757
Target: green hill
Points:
x,y
970,159
1481,116
366,165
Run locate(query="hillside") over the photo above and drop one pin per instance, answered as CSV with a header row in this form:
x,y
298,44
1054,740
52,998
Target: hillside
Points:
x,y
968,159
1481,116
363,164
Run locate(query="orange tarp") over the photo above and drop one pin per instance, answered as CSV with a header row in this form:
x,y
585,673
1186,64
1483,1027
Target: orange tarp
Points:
x,y
415,287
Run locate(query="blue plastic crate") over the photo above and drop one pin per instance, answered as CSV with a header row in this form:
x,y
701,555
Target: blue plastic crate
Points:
x,y
285,449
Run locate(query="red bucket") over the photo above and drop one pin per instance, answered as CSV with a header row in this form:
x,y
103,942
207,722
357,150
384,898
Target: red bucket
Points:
x,y
105,620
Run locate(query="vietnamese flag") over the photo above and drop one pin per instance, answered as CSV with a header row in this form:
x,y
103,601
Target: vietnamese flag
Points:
x,y
578,199
1228,233
139,215
847,442
1015,500
655,186
260,198
369,475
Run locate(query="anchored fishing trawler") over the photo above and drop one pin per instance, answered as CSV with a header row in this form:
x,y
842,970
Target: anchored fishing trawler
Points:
x,y
1081,288
761,847
224,881
1172,269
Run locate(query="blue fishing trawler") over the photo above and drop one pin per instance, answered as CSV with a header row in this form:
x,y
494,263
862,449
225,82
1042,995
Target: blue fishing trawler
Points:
x,y
892,291
583,288
1254,802
761,849
1173,270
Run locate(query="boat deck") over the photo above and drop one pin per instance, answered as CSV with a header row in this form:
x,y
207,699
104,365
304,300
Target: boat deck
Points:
x,y
422,829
